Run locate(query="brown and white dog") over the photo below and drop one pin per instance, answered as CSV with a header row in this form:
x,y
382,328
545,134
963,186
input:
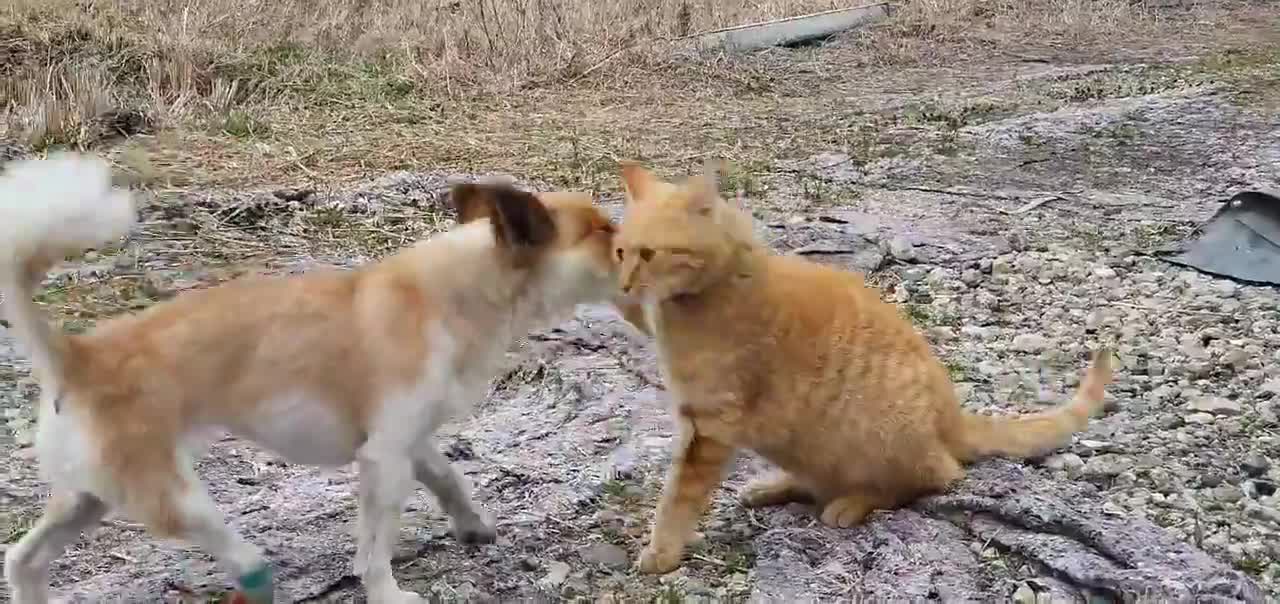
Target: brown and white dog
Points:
x,y
323,368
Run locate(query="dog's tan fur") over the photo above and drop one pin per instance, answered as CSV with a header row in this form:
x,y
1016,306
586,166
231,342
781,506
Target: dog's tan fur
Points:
x,y
323,368
800,362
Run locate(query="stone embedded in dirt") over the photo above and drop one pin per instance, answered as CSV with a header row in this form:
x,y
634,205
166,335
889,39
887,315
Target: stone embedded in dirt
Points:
x,y
902,249
1201,418
1226,493
1029,342
1064,461
1271,387
1255,465
1105,465
1215,405
1096,446
607,555
557,572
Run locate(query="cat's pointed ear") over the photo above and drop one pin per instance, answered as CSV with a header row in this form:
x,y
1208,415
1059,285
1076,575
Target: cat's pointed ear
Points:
x,y
705,189
637,180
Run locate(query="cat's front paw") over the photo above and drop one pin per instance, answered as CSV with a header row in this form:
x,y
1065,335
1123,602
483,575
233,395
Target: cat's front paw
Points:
x,y
658,561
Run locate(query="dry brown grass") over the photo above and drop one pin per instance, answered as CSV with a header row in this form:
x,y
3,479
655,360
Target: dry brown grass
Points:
x,y
336,89
183,58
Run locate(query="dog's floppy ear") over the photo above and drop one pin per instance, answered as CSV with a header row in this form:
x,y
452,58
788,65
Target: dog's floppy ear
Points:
x,y
521,224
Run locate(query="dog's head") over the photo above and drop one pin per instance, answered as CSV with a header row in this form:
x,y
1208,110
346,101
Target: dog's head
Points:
x,y
561,238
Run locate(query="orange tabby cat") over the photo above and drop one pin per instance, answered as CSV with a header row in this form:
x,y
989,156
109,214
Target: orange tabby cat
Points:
x,y
801,363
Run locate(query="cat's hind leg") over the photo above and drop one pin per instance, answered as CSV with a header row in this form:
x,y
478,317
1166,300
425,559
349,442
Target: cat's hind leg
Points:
x,y
775,488
929,474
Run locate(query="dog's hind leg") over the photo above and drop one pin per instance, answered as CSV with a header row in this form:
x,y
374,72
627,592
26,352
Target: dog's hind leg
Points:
x,y
386,479
26,564
470,524
184,510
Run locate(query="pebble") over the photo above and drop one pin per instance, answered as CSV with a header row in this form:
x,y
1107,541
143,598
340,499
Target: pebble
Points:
x,y
1215,405
1255,465
940,334
902,249
1029,342
607,555
1064,461
557,572
1105,465
1226,493
1200,418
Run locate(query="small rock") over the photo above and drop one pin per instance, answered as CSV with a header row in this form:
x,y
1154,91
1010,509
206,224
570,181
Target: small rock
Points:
x,y
1262,512
607,555
1272,387
1064,461
1096,446
1210,480
1226,493
1029,342
940,334
1170,422
902,249
557,572
1255,465
976,332
1237,358
1024,595
971,277
1105,465
530,564
1216,405
1200,418
914,275
1104,273
1001,266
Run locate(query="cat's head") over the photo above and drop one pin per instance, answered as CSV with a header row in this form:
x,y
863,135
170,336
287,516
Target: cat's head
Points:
x,y
677,238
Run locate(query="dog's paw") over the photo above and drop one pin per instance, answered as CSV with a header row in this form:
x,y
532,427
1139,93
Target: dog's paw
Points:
x,y
654,561
477,529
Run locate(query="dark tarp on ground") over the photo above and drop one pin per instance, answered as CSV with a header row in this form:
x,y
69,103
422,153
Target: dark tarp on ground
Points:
x,y
1241,241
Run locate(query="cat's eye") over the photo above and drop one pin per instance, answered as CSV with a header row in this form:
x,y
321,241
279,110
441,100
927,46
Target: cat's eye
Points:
x,y
619,254
646,254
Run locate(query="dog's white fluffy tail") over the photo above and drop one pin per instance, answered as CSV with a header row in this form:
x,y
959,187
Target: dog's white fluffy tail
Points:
x,y
49,209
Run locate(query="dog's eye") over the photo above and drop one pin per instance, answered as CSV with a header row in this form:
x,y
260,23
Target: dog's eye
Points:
x,y
619,254
646,254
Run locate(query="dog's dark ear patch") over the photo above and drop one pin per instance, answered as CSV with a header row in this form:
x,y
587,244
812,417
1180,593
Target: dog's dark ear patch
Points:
x,y
521,224
470,201
520,220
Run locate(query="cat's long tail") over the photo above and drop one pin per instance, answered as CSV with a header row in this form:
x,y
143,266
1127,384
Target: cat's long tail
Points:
x,y
51,208
1034,434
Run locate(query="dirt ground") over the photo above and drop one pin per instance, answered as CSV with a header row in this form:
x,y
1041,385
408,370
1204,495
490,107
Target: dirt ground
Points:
x,y
1011,205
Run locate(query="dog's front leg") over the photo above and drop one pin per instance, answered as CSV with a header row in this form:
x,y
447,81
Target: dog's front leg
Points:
x,y
386,479
469,522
